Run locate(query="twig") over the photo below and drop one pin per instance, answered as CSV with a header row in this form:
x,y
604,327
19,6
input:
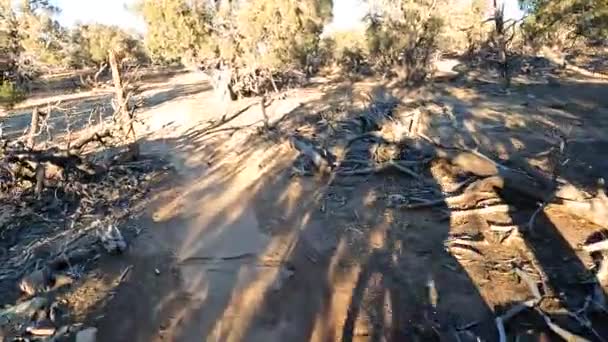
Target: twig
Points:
x,y
596,247
540,208
363,171
40,174
124,273
581,317
68,130
467,326
94,136
461,185
423,204
400,162
404,169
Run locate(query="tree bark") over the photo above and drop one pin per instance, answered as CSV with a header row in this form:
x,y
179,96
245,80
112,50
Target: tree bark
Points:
x,y
123,114
31,140
501,41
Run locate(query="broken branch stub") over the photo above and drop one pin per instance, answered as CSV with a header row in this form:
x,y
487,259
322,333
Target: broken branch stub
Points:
x,y
322,159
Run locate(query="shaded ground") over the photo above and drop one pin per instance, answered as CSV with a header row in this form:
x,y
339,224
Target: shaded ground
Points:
x,y
237,248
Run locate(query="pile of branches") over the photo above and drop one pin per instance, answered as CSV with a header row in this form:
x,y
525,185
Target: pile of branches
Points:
x,y
386,137
62,199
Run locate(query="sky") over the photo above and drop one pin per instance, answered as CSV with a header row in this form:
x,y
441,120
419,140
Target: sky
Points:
x,y
347,13
111,12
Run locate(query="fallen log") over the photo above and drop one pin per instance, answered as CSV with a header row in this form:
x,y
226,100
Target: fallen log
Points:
x,y
499,176
529,184
77,145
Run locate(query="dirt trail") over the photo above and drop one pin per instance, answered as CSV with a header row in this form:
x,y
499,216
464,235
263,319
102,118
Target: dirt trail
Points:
x,y
235,249
205,260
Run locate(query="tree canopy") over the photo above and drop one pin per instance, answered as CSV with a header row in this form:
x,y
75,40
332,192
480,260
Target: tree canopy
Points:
x,y
582,18
90,45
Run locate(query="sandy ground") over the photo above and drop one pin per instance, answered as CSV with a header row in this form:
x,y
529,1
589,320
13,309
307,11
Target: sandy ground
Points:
x,y
235,249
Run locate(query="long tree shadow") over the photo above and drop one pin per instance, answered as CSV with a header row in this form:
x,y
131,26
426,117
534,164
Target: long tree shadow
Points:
x,y
340,260
548,242
362,269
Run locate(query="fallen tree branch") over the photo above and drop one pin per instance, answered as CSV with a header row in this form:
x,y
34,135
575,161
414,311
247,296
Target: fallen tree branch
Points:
x,y
77,145
452,202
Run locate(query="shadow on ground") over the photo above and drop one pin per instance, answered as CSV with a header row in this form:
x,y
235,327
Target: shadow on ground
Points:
x,y
240,249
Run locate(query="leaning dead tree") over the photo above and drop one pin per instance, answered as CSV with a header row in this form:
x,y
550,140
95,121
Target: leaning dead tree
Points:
x,y
503,34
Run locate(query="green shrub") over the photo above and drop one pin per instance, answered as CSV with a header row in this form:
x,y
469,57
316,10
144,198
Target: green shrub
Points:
x,y
10,94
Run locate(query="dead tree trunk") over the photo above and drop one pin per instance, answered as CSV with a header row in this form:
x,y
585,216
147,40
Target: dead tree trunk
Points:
x,y
264,114
123,115
31,139
501,41
222,91
100,71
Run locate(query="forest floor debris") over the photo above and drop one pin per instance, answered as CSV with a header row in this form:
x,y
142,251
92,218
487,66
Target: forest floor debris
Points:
x,y
370,204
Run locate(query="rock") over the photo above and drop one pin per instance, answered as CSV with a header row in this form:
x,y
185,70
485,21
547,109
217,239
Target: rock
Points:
x,y
38,281
112,240
87,335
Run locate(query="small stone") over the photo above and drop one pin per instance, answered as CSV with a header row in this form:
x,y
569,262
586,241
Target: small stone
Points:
x,y
87,335
395,200
156,271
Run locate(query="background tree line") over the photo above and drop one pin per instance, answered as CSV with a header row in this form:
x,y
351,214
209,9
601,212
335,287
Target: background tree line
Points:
x,y
256,45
